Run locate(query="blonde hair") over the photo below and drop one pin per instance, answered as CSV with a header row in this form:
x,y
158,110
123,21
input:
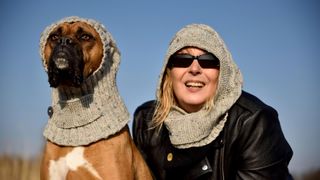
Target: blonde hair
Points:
x,y
167,100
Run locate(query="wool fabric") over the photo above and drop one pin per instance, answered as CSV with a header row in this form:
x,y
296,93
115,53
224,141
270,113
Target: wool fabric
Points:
x,y
202,127
93,111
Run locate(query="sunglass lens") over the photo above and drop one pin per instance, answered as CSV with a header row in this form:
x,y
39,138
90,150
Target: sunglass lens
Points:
x,y
181,60
208,61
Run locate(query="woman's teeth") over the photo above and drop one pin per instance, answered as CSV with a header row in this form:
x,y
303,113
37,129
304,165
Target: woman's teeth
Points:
x,y
194,84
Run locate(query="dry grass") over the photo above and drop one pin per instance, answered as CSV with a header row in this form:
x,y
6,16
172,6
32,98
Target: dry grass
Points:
x,y
17,168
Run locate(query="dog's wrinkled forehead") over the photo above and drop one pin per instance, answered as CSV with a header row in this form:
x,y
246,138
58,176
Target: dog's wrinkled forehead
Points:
x,y
100,29
73,29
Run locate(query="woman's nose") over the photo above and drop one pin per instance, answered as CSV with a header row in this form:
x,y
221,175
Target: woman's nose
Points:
x,y
195,67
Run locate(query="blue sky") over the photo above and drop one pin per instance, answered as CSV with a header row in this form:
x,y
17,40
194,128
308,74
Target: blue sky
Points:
x,y
275,44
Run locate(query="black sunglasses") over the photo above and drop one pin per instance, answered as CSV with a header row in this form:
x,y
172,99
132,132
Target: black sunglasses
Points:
x,y
206,61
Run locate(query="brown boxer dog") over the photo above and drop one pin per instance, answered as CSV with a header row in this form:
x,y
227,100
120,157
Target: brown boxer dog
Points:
x,y
73,51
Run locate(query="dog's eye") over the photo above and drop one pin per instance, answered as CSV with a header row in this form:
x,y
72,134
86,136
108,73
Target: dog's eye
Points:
x,y
85,37
54,37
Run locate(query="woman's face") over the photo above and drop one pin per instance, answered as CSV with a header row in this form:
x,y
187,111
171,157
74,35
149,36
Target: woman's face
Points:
x,y
193,85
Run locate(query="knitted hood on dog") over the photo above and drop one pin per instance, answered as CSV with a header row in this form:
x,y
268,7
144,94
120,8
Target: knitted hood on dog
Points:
x,y
95,110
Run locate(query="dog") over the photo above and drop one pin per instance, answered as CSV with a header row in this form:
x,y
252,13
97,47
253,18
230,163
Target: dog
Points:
x,y
72,52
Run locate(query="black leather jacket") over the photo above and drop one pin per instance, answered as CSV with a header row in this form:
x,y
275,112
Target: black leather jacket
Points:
x,y
251,146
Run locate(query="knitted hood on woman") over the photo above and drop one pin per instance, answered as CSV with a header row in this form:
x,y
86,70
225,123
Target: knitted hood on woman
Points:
x,y
202,127
93,111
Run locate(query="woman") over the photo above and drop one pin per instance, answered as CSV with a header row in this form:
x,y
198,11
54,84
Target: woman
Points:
x,y
202,125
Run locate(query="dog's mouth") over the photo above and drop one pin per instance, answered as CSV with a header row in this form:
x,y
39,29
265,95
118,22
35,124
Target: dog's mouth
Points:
x,y
66,66
61,61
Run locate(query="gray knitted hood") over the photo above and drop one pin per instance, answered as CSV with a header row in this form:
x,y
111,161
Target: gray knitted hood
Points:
x,y
93,111
200,128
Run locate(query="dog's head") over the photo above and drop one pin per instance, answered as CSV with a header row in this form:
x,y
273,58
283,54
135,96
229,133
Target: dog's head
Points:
x,y
80,47
72,52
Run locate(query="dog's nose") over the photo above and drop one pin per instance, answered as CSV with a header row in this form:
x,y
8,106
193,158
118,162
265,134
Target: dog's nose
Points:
x,y
65,41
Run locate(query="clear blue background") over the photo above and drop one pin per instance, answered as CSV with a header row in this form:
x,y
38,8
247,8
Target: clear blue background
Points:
x,y
274,42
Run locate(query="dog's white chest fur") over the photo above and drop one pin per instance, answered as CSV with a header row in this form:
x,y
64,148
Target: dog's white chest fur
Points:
x,y
59,169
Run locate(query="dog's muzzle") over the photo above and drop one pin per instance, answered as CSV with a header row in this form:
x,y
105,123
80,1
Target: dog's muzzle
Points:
x,y
61,53
66,63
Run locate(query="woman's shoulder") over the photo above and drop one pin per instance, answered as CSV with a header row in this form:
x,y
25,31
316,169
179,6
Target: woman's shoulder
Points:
x,y
251,111
143,116
253,104
146,106
255,127
145,112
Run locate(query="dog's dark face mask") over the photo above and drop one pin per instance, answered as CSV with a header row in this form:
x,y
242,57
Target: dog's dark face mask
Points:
x,y
66,60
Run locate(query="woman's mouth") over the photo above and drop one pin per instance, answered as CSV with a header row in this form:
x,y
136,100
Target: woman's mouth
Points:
x,y
191,84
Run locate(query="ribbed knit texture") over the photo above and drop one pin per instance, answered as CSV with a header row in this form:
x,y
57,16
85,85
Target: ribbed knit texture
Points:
x,y
93,111
202,127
